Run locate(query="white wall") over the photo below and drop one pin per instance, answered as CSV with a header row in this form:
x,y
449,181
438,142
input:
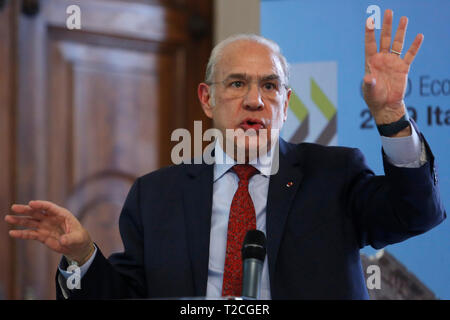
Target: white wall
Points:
x,y
235,16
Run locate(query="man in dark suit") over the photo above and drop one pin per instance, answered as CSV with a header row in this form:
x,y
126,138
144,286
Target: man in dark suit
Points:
x,y
181,225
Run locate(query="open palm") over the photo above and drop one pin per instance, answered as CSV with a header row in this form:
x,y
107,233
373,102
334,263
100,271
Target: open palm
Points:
x,y
52,225
386,73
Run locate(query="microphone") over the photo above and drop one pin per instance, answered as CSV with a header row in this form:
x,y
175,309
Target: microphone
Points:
x,y
253,255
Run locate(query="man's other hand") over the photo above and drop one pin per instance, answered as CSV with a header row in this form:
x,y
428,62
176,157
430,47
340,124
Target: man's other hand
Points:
x,y
54,226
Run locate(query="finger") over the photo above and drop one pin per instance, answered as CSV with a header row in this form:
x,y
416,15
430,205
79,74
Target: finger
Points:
x,y
385,39
49,241
370,42
412,52
21,208
48,206
27,222
399,39
24,234
27,210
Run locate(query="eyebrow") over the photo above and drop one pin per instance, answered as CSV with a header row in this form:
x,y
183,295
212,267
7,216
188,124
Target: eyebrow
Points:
x,y
245,76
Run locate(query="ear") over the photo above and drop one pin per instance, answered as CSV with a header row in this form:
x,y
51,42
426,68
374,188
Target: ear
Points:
x,y
286,103
204,96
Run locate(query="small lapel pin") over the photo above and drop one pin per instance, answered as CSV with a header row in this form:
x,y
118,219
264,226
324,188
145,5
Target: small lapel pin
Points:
x,y
289,184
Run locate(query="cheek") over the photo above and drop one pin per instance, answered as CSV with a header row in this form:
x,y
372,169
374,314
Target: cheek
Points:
x,y
277,115
225,112
221,117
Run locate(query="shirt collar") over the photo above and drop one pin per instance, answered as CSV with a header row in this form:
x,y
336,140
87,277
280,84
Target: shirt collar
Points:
x,y
226,162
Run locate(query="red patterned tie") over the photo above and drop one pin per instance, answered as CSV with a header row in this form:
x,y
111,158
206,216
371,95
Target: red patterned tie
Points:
x,y
242,218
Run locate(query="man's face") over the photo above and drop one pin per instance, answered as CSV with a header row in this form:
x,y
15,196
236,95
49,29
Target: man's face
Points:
x,y
249,91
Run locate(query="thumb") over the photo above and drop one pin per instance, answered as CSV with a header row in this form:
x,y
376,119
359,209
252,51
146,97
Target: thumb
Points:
x,y
69,239
369,83
65,240
369,80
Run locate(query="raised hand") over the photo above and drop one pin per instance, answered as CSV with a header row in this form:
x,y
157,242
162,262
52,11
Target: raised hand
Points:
x,y
54,226
386,73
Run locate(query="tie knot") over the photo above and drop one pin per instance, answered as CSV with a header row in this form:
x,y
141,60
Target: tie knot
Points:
x,y
245,171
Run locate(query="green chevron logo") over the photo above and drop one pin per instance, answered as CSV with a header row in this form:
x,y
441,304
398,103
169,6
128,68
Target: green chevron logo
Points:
x,y
321,101
306,103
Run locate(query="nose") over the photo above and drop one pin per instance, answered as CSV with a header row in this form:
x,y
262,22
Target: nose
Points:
x,y
253,98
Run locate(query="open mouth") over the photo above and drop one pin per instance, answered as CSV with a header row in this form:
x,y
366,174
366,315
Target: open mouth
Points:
x,y
254,124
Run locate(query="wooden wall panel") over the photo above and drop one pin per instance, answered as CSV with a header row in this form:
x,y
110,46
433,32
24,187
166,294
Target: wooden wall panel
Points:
x,y
7,125
93,109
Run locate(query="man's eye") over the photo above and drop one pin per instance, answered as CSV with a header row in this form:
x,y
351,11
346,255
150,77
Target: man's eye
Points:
x,y
269,86
236,84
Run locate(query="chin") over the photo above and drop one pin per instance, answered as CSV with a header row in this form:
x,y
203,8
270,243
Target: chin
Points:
x,y
253,146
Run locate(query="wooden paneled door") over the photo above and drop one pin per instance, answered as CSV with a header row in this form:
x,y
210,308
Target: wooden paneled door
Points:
x,y
91,110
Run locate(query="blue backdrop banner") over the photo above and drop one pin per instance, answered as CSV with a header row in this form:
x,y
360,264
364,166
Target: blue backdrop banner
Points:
x,y
324,43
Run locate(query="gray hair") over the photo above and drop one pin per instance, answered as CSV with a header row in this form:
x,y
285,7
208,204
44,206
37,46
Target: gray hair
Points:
x,y
218,49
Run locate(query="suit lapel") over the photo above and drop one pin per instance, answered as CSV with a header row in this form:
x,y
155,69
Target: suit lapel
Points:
x,y
283,187
197,198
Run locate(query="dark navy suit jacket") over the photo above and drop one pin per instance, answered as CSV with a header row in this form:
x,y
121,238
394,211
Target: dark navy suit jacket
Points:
x,y
315,228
